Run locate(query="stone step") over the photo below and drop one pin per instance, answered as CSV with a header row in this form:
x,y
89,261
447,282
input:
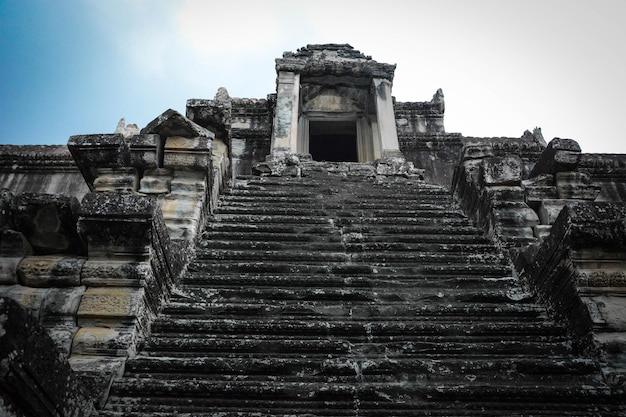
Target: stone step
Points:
x,y
400,282
425,203
329,253
203,254
336,211
398,194
370,310
463,234
247,237
340,295
354,244
373,368
270,218
378,295
310,245
474,409
358,329
435,347
419,271
324,228
252,393
445,224
263,210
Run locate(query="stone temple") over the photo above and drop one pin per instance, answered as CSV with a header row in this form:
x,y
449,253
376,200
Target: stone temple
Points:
x,y
324,251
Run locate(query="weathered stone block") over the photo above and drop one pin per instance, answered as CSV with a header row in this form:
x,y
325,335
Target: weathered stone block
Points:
x,y
541,180
190,153
121,273
156,181
48,222
92,152
61,305
506,170
549,210
144,151
611,309
62,336
189,182
117,224
536,194
560,155
29,298
115,180
50,271
14,244
511,233
172,123
33,375
8,270
504,193
517,215
110,304
96,374
576,185
542,231
477,152
102,341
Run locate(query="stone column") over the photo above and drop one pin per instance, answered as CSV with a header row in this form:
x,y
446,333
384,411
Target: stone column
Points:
x,y
285,131
386,119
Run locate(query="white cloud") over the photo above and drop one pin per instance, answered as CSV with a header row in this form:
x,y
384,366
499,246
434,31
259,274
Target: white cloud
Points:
x,y
504,66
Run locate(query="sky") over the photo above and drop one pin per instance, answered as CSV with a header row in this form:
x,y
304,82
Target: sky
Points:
x,y
72,67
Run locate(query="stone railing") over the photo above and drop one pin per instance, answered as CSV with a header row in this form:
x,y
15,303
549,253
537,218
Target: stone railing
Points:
x,y
96,273
569,247
488,186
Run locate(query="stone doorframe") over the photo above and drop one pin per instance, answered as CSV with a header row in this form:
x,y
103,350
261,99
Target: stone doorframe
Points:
x,y
290,132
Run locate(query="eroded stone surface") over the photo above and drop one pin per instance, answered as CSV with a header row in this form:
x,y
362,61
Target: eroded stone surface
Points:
x,y
35,380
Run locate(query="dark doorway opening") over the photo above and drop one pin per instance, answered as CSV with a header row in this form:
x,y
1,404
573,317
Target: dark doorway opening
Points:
x,y
333,141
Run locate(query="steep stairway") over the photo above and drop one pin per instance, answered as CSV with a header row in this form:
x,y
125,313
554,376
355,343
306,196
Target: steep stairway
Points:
x,y
334,295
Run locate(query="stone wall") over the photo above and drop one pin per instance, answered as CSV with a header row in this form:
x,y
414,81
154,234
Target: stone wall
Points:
x,y
551,215
48,169
95,272
244,125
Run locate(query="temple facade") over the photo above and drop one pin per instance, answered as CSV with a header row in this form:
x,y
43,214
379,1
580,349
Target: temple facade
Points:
x,y
323,251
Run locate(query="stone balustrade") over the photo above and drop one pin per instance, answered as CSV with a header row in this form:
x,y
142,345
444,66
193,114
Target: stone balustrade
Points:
x,y
568,246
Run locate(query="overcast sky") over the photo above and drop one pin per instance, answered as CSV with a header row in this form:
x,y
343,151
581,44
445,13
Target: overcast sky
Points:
x,y
77,66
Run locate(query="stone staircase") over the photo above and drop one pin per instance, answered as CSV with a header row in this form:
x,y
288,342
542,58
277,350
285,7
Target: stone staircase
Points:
x,y
339,295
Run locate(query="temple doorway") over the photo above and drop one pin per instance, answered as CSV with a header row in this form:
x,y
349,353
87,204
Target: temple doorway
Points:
x,y
334,141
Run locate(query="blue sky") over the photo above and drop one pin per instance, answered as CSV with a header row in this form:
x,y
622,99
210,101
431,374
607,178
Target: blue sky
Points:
x,y
78,66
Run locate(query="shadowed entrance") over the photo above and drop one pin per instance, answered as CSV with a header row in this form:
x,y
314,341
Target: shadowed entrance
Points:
x,y
333,141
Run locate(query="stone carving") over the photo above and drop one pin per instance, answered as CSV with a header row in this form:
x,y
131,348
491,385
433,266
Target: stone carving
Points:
x,y
50,271
438,101
126,130
110,303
